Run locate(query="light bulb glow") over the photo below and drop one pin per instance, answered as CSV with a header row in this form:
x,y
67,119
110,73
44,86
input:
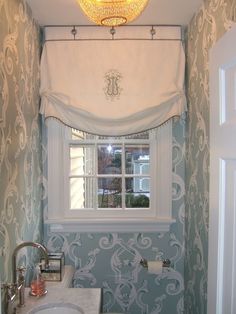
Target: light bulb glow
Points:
x,y
109,148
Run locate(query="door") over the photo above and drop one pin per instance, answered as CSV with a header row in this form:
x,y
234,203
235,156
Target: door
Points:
x,y
222,219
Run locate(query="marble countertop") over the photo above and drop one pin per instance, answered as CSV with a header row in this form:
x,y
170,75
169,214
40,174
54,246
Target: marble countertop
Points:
x,y
88,299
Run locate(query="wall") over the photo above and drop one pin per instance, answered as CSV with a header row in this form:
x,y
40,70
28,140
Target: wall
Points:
x,y
112,260
20,148
207,26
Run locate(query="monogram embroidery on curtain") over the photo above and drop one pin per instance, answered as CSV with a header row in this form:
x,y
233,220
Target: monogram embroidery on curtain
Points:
x,y
112,89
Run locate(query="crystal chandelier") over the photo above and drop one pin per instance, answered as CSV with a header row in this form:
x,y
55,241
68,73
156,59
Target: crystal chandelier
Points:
x,y
112,12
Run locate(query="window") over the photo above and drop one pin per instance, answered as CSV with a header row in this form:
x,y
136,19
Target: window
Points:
x,y
108,173
98,183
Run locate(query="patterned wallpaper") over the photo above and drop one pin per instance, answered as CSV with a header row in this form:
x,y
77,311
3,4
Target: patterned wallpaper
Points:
x,y
111,261
20,148
207,26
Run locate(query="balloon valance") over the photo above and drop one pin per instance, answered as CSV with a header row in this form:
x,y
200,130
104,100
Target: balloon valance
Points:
x,y
112,87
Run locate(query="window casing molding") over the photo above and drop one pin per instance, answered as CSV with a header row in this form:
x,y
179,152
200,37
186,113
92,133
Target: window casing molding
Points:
x,y
61,219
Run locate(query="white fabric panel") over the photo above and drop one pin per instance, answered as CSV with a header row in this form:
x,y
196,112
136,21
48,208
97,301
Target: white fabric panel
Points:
x,y
112,87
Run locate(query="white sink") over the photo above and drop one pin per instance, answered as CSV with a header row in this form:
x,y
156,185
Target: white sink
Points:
x,y
57,308
63,301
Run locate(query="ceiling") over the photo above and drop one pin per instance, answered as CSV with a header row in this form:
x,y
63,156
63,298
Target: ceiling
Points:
x,y
67,12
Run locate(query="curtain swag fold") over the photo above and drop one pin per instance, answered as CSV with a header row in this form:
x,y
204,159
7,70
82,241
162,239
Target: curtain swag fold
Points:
x,y
112,87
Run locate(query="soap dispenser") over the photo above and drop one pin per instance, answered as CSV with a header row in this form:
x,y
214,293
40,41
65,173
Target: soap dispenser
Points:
x,y
37,286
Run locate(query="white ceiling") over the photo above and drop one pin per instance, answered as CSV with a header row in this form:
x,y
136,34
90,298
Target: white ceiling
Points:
x,y
67,12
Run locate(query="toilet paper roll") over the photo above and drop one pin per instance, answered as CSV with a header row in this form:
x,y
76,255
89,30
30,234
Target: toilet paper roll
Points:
x,y
155,267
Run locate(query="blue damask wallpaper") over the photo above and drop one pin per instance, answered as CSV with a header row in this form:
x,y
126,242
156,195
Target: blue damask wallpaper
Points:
x,y
207,26
20,143
110,261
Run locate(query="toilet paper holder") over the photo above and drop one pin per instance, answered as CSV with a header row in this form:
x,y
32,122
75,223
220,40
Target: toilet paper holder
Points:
x,y
165,263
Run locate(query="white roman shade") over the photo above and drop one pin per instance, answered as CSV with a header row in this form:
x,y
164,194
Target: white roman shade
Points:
x,y
112,87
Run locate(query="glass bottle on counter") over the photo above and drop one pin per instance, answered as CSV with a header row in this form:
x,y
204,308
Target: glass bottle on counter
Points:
x,y
37,286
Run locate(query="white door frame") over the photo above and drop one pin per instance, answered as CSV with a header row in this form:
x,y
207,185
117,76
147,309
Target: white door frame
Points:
x,y
222,212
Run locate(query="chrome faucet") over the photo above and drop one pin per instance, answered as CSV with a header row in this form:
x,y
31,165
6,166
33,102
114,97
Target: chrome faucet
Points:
x,y
20,283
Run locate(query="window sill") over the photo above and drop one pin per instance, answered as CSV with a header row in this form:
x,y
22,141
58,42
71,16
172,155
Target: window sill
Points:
x,y
110,225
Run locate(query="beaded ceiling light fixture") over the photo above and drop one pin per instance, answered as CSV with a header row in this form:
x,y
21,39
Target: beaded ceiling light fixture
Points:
x,y
112,12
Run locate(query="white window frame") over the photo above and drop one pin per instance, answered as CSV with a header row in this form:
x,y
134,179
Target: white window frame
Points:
x,y
61,219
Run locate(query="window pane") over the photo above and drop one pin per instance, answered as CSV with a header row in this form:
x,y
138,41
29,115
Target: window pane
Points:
x,y
109,159
137,159
82,160
82,193
109,193
137,185
137,192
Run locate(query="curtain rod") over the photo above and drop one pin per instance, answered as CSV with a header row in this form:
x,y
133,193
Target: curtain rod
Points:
x,y
112,31
133,25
